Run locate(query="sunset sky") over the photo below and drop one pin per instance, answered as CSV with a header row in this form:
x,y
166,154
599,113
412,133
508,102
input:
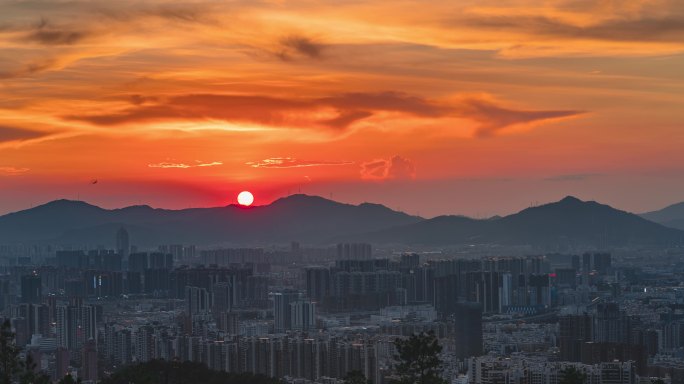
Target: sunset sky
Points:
x,y
432,107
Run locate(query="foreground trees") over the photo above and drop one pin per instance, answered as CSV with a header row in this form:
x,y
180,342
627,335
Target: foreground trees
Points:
x,y
13,369
356,377
418,360
572,375
174,372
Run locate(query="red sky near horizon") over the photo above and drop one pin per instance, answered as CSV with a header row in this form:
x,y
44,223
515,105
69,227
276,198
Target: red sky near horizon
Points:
x,y
467,107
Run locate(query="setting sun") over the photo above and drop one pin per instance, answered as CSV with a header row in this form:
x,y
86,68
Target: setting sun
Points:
x,y
245,198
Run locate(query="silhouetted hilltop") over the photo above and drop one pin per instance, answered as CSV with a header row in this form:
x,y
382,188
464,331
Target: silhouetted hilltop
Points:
x,y
296,217
569,221
670,216
313,219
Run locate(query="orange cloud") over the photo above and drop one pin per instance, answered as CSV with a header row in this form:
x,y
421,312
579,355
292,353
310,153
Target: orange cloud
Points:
x,y
298,46
493,117
12,171
198,163
47,34
643,28
396,167
18,134
289,162
86,82
346,109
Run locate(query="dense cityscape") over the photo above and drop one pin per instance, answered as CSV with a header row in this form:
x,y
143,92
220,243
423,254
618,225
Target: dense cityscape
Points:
x,y
342,192
315,314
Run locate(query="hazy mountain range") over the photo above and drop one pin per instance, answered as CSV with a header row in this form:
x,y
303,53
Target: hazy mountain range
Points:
x,y
670,216
312,219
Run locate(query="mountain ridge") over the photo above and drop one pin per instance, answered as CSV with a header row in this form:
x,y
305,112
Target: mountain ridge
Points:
x,y
671,216
314,219
290,218
568,222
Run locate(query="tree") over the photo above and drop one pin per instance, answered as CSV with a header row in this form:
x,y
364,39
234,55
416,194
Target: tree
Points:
x,y
12,368
10,365
572,375
68,379
176,372
356,377
418,360
28,374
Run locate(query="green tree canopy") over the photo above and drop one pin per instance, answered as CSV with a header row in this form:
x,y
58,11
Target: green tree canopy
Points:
x,y
572,375
356,377
418,360
68,379
174,372
12,368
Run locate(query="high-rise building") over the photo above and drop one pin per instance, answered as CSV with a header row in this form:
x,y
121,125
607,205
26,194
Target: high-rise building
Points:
x,y
123,245
575,330
566,277
610,324
539,290
72,259
38,316
133,282
118,346
123,349
229,322
31,289
62,358
159,260
157,281
355,251
303,315
225,296
197,301
144,344
446,294
485,288
89,362
90,314
282,311
602,262
137,262
317,283
410,260
5,296
68,317
468,330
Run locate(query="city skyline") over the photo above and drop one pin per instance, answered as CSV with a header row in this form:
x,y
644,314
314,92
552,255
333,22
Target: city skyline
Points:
x,y
342,192
475,108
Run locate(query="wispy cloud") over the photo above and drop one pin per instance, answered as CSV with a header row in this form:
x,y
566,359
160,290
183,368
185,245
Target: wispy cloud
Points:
x,y
344,110
211,164
289,162
198,163
299,46
14,133
12,171
396,167
494,117
165,164
642,28
46,33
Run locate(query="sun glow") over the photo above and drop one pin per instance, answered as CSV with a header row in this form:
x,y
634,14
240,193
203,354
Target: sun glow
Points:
x,y
245,198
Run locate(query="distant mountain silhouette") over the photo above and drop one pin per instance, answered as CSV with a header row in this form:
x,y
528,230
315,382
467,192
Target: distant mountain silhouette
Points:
x,y
297,217
569,222
311,219
671,216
